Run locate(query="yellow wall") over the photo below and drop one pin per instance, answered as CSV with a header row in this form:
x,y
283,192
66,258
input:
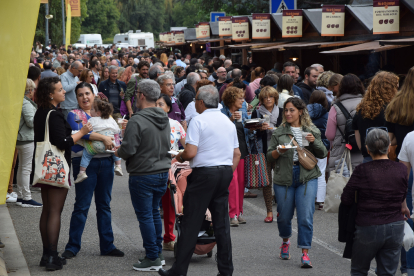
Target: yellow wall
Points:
x,y
18,24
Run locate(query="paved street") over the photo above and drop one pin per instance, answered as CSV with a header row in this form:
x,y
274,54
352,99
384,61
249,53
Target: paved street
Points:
x,y
255,245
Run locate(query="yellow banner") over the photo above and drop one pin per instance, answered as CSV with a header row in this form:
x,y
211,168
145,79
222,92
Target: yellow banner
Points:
x,y
75,7
68,26
20,17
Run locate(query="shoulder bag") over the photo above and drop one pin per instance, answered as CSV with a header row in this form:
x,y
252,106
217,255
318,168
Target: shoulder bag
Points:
x,y
306,158
255,169
51,167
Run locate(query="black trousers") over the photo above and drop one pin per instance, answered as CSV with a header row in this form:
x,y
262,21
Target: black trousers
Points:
x,y
207,187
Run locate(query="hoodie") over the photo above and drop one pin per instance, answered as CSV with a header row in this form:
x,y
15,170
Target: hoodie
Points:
x,y
319,116
146,142
306,90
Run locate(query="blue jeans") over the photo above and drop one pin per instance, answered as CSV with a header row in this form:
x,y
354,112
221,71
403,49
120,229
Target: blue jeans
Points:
x,y
407,257
382,242
99,182
146,192
295,196
86,158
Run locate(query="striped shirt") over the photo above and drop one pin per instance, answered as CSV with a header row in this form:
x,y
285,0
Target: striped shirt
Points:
x,y
297,133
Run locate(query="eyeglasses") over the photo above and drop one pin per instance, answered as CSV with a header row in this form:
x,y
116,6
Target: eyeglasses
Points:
x,y
372,128
221,72
169,84
201,71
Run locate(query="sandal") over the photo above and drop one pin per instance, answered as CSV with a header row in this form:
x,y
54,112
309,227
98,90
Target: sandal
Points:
x,y
268,220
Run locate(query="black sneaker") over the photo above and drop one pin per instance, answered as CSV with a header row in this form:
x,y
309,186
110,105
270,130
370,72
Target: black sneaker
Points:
x,y
68,255
54,263
115,253
45,259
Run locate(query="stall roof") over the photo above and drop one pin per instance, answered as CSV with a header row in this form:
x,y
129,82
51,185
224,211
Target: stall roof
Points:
x,y
309,44
364,48
409,4
255,45
363,14
190,34
402,41
278,18
314,16
219,47
214,28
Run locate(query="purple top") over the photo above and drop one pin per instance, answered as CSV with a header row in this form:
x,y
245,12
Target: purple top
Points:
x,y
382,187
177,113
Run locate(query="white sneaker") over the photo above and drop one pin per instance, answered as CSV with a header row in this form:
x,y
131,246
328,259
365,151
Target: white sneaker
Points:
x,y
118,170
13,194
81,177
10,198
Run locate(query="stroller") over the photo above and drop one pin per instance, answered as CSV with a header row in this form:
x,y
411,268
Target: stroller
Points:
x,y
178,184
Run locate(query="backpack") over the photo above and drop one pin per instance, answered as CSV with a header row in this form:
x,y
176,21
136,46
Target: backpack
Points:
x,y
349,135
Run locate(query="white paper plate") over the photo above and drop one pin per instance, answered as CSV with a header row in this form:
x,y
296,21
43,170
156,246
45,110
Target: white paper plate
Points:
x,y
110,151
280,147
173,152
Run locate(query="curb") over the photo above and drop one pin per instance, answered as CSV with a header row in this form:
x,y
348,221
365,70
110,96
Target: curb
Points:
x,y
12,253
3,270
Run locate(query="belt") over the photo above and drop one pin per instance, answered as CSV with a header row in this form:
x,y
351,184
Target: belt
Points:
x,y
212,167
296,163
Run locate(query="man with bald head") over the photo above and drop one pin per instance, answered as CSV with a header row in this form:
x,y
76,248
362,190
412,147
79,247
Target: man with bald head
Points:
x,y
221,77
69,81
114,63
155,71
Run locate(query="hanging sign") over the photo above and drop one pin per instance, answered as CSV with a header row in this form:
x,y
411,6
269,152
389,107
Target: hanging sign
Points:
x,y
240,28
169,37
333,20
292,23
197,31
204,29
386,17
224,23
179,37
261,26
75,7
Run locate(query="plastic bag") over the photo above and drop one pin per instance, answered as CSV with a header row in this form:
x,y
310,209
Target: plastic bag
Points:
x,y
408,241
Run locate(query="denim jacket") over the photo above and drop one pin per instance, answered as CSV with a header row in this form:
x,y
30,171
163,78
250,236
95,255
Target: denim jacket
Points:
x,y
226,111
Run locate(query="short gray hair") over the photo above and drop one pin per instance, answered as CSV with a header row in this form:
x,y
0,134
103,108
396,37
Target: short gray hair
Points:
x,y
151,90
316,65
112,67
377,142
209,95
161,79
236,73
154,71
75,64
193,78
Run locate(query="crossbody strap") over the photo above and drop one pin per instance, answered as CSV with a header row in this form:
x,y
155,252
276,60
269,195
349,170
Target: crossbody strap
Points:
x,y
294,141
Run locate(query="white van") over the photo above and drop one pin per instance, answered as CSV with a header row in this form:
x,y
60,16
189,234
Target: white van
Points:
x,y
135,39
90,39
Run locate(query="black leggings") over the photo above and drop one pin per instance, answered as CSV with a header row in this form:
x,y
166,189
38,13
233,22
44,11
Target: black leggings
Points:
x,y
53,202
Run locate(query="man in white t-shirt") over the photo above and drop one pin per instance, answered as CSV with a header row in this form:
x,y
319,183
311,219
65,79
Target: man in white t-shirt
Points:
x,y
212,148
406,157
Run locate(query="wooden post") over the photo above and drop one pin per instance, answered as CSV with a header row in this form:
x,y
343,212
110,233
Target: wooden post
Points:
x,y
221,45
193,48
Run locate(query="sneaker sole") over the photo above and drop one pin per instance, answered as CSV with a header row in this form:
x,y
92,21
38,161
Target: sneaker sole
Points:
x,y
306,266
244,222
30,206
119,173
162,262
151,268
19,203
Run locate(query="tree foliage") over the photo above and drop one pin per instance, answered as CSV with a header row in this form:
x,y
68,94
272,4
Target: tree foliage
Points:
x,y
55,24
103,17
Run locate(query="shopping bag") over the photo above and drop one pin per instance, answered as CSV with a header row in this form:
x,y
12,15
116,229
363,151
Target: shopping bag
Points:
x,y
336,184
255,169
408,241
51,167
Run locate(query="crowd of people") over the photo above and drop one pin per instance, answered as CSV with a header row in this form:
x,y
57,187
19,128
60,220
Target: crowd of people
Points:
x,y
202,108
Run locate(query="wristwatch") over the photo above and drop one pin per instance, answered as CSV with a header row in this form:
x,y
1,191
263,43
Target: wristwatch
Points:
x,y
182,160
